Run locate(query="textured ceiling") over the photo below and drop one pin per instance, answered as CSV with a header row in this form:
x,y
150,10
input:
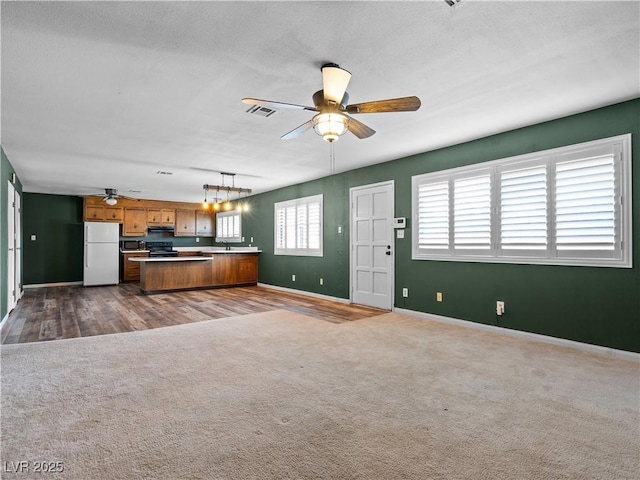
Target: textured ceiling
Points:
x,y
106,94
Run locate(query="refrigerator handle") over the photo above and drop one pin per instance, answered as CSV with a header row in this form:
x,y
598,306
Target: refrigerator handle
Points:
x,y
86,255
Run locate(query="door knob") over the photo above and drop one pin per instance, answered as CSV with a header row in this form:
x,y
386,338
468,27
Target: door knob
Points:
x,y
388,252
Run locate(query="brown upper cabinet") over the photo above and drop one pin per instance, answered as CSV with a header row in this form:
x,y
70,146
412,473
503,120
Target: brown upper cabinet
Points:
x,y
161,217
136,216
135,222
103,213
204,224
185,223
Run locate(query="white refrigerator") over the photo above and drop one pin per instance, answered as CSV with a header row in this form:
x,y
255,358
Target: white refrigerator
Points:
x,y
101,253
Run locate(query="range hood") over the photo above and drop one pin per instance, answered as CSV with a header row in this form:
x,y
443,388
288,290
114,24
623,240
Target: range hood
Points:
x,y
159,229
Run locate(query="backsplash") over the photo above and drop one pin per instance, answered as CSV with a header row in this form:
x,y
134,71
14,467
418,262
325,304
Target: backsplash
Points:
x,y
177,241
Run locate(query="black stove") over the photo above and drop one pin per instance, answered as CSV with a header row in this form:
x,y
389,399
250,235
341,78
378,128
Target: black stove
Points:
x,y
161,249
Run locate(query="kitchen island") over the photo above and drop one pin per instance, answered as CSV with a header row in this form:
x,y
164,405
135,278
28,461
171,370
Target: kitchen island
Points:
x,y
210,269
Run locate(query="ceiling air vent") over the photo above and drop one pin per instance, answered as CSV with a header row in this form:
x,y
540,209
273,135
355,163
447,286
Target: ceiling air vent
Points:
x,y
262,111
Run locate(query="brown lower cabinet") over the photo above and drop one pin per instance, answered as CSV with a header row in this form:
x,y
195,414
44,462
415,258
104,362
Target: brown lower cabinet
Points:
x,y
223,270
130,271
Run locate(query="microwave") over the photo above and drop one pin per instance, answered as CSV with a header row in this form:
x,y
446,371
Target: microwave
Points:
x,y
132,244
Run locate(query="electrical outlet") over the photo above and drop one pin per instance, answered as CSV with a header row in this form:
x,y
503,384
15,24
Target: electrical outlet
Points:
x,y
321,281
197,239
405,292
293,278
499,308
339,229
251,239
438,296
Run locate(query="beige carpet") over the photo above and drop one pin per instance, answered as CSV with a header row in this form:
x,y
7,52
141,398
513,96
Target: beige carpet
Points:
x,y
283,396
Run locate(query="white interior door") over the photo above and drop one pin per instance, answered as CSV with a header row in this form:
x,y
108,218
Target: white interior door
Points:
x,y
372,245
11,243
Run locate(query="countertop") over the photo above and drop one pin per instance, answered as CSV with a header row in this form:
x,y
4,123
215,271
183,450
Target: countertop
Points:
x,y
218,249
195,250
170,259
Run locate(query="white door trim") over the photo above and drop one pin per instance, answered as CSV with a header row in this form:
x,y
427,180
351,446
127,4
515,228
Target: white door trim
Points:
x,y
390,184
18,244
11,248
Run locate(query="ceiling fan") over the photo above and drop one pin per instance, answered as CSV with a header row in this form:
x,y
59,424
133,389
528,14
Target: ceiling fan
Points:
x,y
110,196
331,103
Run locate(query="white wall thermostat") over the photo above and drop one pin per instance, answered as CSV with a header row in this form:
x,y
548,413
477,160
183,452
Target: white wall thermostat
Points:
x,y
400,222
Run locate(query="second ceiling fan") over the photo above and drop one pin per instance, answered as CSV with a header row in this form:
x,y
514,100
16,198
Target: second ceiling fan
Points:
x,y
332,105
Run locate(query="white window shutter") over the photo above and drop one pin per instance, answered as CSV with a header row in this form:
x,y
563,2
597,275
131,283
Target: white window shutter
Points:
x,y
523,209
315,223
585,204
472,213
433,216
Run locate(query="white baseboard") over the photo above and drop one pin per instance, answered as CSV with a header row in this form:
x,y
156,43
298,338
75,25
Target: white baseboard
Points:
x,y
3,321
303,292
58,284
586,347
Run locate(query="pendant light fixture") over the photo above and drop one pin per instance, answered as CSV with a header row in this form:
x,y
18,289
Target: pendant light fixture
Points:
x,y
229,189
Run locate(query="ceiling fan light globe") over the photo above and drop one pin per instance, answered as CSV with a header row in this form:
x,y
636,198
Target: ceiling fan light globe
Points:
x,y
330,126
111,201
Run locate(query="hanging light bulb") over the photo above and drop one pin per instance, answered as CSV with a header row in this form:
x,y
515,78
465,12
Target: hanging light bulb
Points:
x,y
245,206
205,204
216,206
227,204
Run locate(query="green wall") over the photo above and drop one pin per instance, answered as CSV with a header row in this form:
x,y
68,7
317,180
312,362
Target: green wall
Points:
x,y
6,169
587,304
56,254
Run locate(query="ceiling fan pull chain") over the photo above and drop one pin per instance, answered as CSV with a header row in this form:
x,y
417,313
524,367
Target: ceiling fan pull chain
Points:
x,y
332,158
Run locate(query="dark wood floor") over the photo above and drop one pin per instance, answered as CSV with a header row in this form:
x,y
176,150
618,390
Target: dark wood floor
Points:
x,y
54,313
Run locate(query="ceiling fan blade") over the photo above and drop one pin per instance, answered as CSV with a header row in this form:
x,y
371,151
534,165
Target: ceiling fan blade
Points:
x,y
404,104
334,82
358,128
296,132
277,105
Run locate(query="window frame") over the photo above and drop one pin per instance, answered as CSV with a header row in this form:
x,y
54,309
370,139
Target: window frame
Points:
x,y
621,256
229,239
294,232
